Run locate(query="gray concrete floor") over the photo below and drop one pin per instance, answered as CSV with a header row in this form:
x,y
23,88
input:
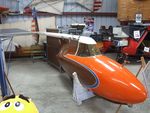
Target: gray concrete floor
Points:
x,y
52,91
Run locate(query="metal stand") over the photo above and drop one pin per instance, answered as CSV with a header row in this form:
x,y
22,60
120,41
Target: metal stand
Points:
x,y
79,92
3,83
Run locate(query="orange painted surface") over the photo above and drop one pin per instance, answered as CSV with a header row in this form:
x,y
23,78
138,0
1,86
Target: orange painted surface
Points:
x,y
116,83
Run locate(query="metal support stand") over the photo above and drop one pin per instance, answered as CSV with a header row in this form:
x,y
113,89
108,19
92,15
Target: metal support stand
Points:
x,y
79,92
3,83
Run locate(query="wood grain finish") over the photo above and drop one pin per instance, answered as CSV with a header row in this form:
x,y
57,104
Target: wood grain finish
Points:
x,y
70,66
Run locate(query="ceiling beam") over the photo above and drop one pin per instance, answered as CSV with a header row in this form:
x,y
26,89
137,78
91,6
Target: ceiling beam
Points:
x,y
106,14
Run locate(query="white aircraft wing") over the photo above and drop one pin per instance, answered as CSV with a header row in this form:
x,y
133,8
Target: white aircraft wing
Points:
x,y
81,39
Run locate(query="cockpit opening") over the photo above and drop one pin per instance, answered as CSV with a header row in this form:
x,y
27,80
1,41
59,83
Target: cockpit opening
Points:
x,y
86,50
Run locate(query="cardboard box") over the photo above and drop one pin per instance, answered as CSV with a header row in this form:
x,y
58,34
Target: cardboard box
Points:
x,y
127,9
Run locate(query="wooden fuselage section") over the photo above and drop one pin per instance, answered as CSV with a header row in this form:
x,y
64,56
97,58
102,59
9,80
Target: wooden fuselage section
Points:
x,y
102,75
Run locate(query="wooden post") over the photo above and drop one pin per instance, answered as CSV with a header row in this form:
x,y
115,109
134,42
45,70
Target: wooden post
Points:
x,y
143,64
118,108
143,61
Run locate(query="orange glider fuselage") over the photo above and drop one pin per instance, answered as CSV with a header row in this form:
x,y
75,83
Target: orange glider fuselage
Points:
x,y
104,76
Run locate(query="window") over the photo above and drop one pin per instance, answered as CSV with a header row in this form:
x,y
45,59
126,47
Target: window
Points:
x,y
87,50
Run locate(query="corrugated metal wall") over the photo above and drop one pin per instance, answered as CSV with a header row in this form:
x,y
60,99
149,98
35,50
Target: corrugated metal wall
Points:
x,y
72,6
12,19
108,6
12,4
62,21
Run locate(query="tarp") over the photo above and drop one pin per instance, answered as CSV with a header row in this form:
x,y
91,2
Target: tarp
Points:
x,y
51,6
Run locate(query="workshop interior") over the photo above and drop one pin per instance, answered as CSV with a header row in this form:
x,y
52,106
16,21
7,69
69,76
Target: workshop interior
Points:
x,y
74,56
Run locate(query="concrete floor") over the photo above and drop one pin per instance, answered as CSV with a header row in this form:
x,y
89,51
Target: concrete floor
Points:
x,y
52,91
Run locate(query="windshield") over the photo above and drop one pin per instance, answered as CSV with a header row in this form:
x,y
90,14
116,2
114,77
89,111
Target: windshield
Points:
x,y
87,50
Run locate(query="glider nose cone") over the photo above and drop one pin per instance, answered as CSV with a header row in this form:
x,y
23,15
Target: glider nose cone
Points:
x,y
132,91
138,93
117,83
129,92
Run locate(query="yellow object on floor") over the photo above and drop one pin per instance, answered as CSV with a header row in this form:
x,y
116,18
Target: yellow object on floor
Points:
x,y
17,104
